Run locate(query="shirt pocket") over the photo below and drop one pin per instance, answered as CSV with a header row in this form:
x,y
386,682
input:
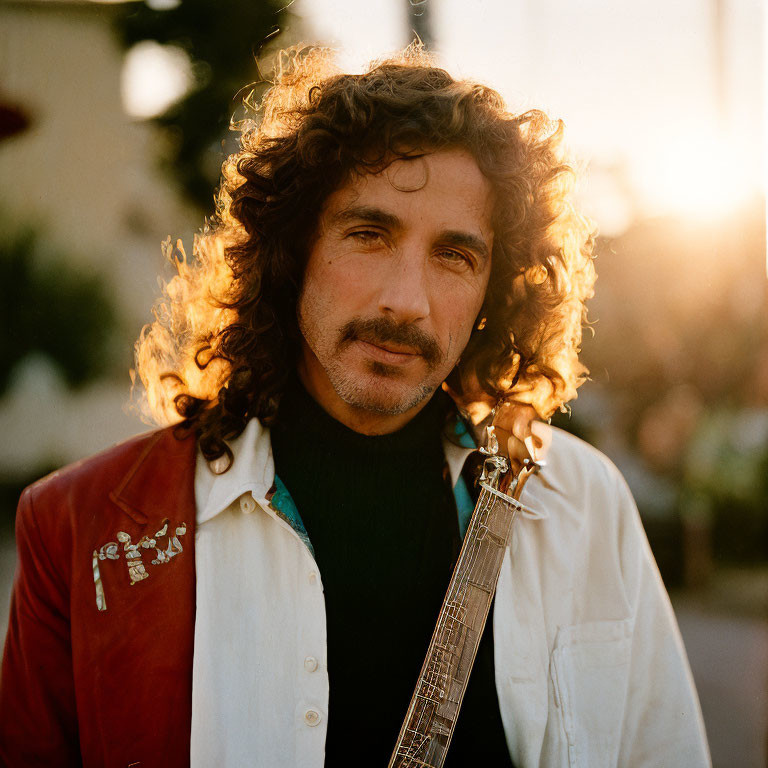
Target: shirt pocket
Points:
x,y
590,674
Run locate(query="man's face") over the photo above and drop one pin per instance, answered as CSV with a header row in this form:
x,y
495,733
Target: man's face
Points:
x,y
394,282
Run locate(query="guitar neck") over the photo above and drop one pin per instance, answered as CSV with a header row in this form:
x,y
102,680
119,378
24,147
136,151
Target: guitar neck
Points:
x,y
431,718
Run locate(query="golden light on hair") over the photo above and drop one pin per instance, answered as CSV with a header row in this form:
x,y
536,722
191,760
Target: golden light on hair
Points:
x,y
536,275
225,337
173,356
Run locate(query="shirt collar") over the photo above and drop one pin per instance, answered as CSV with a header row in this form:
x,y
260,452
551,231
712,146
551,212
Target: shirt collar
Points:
x,y
253,468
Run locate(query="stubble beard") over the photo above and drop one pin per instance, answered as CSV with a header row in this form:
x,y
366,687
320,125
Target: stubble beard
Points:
x,y
382,388
373,391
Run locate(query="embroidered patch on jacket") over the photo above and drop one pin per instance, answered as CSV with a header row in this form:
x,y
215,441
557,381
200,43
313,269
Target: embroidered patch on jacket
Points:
x,y
133,556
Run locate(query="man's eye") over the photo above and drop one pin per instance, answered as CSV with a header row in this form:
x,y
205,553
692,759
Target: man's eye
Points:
x,y
367,236
454,257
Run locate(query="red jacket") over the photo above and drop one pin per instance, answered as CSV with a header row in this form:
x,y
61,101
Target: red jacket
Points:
x,y
83,686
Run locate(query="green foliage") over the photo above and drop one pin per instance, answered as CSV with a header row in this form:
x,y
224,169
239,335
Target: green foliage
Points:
x,y
725,479
49,306
221,40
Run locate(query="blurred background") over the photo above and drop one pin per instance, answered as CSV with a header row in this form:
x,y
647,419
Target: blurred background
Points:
x,y
113,125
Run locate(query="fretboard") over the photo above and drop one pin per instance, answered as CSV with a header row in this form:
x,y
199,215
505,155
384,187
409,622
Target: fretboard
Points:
x,y
431,717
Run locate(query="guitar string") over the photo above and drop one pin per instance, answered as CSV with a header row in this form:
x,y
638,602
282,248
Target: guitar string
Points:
x,y
453,590
429,664
469,649
490,551
487,508
491,503
460,605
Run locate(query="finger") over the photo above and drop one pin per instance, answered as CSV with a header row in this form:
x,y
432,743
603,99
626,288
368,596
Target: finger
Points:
x,y
522,435
513,416
517,450
512,426
522,418
539,441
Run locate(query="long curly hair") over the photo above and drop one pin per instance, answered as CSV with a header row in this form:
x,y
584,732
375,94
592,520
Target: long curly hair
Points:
x,y
225,336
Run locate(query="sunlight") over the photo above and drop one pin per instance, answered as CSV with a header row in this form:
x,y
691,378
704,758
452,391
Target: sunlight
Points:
x,y
700,178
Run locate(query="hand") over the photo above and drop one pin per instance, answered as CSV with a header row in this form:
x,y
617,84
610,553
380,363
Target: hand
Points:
x,y
521,434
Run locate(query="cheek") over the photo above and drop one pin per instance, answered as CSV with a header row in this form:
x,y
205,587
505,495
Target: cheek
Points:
x,y
323,310
320,291
462,329
459,302
316,305
342,287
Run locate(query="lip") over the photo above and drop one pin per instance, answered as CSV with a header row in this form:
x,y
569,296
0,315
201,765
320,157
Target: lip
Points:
x,y
389,356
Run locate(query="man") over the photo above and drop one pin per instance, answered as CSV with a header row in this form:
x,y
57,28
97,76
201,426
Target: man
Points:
x,y
393,253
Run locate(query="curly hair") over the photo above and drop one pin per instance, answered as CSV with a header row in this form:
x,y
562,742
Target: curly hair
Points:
x,y
225,336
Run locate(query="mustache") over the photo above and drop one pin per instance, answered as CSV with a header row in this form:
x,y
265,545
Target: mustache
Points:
x,y
380,330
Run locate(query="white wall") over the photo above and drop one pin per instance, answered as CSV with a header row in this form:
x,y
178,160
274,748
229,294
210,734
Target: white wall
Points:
x,y
85,174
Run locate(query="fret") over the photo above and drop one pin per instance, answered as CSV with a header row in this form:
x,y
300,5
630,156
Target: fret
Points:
x,y
416,762
438,686
481,587
443,648
437,683
455,612
431,693
497,539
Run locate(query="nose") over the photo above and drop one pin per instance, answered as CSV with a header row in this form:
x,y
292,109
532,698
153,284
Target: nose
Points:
x,y
404,294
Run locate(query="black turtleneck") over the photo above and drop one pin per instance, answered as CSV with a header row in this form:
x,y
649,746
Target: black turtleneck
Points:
x,y
382,520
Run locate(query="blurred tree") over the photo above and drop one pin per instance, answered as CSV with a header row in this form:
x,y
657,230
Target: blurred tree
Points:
x,y
725,480
222,41
49,306
680,361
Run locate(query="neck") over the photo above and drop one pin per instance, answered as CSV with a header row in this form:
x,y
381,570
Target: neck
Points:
x,y
361,420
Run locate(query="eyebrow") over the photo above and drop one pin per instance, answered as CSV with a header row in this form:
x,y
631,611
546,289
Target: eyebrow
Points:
x,y
375,215
370,214
466,240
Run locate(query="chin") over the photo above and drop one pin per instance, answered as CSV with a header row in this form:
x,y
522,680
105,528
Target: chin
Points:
x,y
380,393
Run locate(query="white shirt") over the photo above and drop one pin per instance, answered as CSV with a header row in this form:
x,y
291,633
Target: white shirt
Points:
x,y
590,668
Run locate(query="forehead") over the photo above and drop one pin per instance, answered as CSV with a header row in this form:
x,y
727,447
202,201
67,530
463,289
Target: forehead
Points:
x,y
443,188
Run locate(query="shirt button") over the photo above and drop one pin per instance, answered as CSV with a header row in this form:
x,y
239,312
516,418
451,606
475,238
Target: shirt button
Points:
x,y
310,663
220,464
312,577
311,717
247,504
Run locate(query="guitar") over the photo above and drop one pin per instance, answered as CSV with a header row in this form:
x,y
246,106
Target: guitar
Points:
x,y
434,708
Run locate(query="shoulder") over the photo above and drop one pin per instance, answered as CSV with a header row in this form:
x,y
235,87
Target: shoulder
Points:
x,y
102,470
591,544
579,466
583,489
89,489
